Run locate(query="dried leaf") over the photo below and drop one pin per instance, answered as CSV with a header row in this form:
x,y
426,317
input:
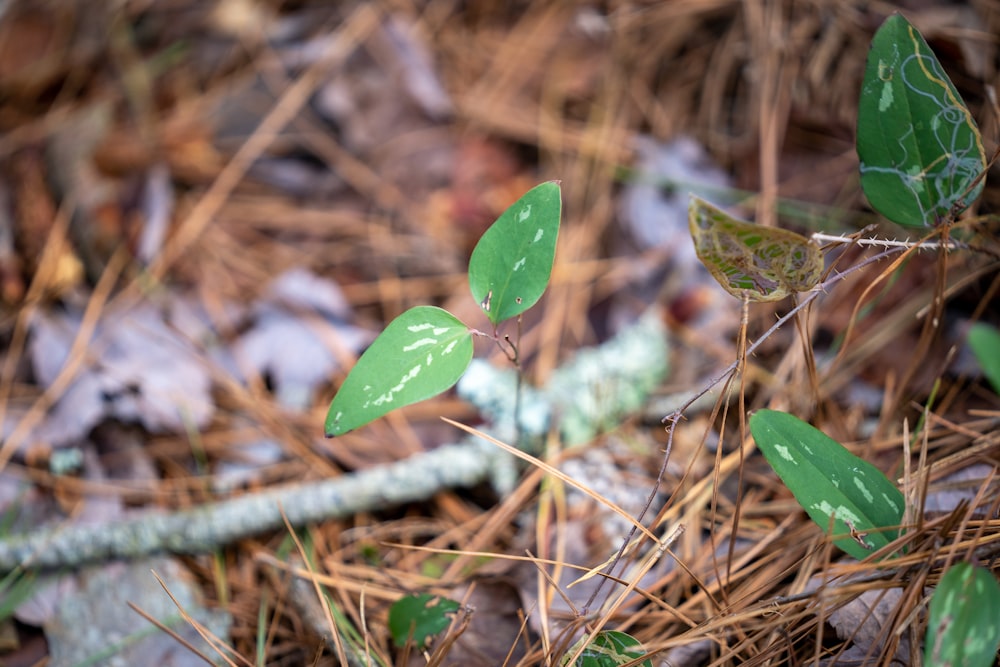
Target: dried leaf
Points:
x,y
750,261
98,618
139,369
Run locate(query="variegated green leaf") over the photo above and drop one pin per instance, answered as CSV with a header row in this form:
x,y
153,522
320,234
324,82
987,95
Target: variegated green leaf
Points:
x,y
510,266
609,648
964,625
919,146
830,483
417,618
421,353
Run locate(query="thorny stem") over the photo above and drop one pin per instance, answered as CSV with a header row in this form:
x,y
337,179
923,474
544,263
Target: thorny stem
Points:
x,y
805,301
886,243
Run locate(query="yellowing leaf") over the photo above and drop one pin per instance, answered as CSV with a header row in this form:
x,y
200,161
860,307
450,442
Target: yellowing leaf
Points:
x,y
750,261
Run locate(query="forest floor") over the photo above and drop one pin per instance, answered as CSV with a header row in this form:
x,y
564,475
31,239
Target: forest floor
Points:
x,y
209,209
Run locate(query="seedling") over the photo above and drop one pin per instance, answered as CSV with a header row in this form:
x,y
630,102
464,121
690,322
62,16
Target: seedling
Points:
x,y
922,164
425,351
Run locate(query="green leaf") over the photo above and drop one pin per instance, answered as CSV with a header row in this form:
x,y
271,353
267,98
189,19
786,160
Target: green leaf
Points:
x,y
421,353
759,263
963,628
419,617
919,147
829,481
985,343
510,266
609,648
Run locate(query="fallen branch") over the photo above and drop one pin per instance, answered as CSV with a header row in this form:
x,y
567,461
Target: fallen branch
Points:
x,y
597,389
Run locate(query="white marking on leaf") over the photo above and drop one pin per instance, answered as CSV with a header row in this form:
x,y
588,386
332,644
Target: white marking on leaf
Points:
x,y
420,327
858,482
891,502
519,263
524,214
430,358
785,453
389,396
840,512
450,347
538,235
885,99
420,343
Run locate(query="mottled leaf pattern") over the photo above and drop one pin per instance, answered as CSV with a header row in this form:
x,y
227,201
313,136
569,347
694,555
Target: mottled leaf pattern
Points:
x,y
417,618
750,261
609,648
919,147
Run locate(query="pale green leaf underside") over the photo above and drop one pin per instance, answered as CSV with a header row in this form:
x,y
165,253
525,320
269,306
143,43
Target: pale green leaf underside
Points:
x,y
919,146
421,353
510,266
963,628
828,481
750,261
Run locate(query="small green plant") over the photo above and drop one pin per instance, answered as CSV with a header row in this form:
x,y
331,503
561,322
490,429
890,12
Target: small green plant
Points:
x,y
922,161
962,630
417,618
425,350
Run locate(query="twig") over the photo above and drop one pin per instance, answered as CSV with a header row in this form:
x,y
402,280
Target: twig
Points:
x,y
886,243
599,387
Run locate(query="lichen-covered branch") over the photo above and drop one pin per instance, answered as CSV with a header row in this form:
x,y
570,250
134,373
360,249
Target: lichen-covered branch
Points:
x,y
595,390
